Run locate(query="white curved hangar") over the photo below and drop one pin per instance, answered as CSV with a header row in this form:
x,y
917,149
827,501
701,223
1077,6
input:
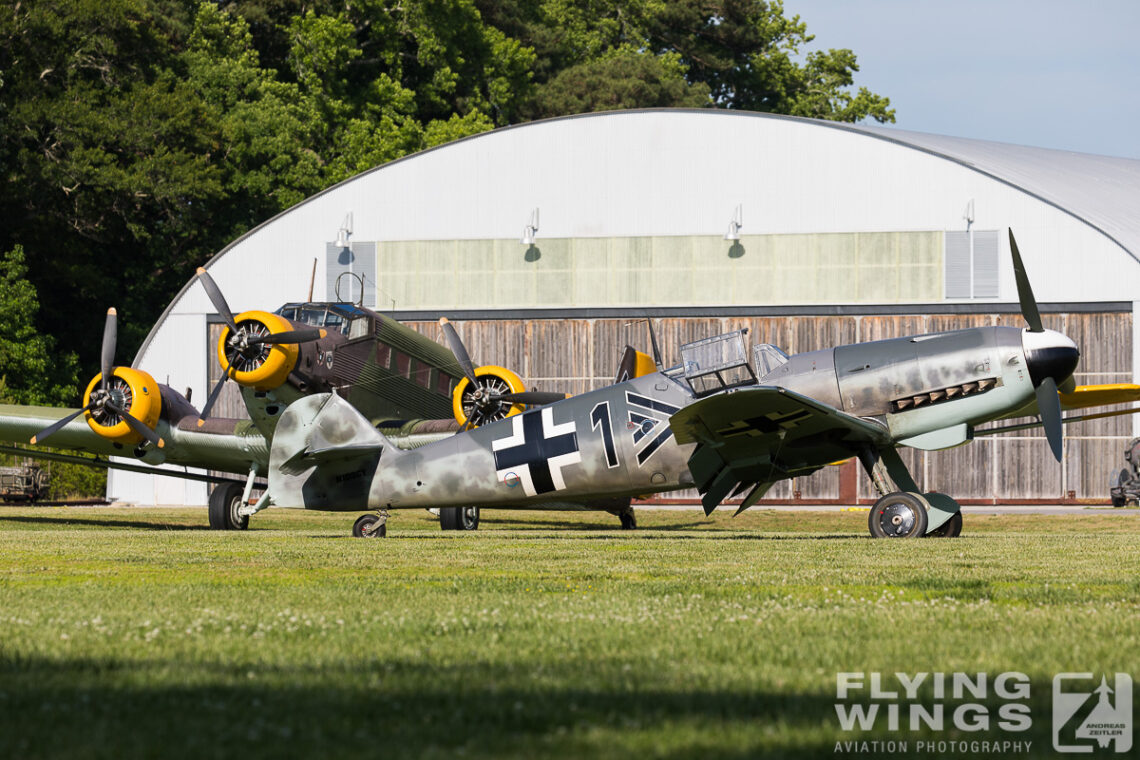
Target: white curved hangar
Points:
x,y
810,232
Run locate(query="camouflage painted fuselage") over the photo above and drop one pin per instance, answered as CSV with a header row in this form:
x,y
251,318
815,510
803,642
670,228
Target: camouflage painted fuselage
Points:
x,y
616,442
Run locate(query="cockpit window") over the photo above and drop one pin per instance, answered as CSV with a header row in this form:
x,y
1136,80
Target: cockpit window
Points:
x,y
334,317
767,358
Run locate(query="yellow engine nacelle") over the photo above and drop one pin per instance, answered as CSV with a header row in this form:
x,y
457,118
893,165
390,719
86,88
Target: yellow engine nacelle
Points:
x,y
270,369
135,392
491,379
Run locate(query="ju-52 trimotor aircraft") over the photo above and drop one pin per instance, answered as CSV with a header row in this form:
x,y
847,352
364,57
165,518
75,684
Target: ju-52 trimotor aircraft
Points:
x,y
403,382
717,422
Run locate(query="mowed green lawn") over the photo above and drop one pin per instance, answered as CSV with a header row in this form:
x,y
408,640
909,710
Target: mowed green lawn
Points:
x,y
139,633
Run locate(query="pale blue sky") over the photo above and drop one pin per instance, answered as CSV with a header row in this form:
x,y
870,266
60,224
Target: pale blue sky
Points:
x,y
1052,74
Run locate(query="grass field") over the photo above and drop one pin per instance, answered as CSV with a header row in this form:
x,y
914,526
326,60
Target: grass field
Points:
x,y
138,633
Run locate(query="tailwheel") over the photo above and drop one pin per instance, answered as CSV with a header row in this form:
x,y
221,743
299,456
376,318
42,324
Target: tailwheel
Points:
x,y
901,514
370,526
628,520
952,528
459,518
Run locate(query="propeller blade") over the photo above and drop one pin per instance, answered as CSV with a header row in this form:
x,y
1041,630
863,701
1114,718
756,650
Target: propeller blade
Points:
x,y
456,346
213,398
54,428
1024,291
1049,406
1069,385
110,337
136,424
530,397
216,297
291,336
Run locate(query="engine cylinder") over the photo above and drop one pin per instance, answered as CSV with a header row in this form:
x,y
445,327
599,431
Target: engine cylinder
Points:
x,y
491,379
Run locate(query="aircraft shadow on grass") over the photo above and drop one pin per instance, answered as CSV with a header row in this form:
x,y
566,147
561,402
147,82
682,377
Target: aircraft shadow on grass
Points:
x,y
488,710
63,522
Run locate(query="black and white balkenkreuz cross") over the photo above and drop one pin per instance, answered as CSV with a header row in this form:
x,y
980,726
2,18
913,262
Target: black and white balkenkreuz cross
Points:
x,y
536,451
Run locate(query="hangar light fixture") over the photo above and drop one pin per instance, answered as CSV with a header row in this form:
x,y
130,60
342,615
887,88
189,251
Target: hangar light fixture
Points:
x,y
344,231
734,225
531,229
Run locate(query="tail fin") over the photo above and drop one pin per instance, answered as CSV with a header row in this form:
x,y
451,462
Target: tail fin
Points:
x,y
324,451
322,428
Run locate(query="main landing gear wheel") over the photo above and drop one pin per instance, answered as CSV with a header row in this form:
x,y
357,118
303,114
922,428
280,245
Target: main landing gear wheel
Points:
x,y
459,518
628,520
225,501
366,527
952,528
898,515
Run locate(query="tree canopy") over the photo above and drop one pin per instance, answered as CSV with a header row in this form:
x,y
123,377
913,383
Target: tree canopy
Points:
x,y
141,136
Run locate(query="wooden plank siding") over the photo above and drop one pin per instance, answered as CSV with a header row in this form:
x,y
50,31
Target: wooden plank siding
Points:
x,y
578,355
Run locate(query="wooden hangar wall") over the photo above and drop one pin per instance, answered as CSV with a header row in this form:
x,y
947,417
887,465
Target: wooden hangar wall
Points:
x,y
578,354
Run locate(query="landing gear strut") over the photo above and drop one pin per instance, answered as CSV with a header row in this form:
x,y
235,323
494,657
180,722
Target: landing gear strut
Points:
x,y
628,519
371,526
902,511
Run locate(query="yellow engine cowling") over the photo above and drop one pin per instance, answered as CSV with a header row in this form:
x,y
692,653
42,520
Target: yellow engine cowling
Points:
x,y
495,378
144,403
278,360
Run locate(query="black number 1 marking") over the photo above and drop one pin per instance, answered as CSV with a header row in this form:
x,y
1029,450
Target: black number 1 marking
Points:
x,y
600,418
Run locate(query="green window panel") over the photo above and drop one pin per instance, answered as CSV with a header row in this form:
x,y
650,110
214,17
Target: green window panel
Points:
x,y
874,267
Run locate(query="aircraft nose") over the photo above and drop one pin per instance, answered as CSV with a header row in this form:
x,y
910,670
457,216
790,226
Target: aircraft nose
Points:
x,y
1049,354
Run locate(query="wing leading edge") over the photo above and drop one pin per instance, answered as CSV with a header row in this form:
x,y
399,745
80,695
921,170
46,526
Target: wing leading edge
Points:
x,y
751,439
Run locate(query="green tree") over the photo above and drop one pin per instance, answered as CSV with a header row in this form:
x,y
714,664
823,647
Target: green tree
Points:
x,y
32,371
743,53
108,161
622,78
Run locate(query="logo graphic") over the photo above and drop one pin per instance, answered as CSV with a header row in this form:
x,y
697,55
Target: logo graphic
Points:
x,y
1088,717
535,452
644,416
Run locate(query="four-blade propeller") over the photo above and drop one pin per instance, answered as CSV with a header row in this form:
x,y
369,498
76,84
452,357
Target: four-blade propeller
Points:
x,y
486,399
109,402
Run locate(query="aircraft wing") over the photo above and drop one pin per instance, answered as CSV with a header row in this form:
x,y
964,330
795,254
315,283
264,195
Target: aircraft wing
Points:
x,y
1085,396
1082,397
750,439
228,445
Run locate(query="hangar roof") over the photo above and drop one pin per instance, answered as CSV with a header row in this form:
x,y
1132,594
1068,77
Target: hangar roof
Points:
x,y
1103,191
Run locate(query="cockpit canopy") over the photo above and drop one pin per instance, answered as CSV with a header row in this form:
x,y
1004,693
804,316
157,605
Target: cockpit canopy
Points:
x,y
717,363
721,362
345,318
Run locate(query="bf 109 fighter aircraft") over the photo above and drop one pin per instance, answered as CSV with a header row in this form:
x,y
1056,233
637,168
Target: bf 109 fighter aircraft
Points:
x,y
716,422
